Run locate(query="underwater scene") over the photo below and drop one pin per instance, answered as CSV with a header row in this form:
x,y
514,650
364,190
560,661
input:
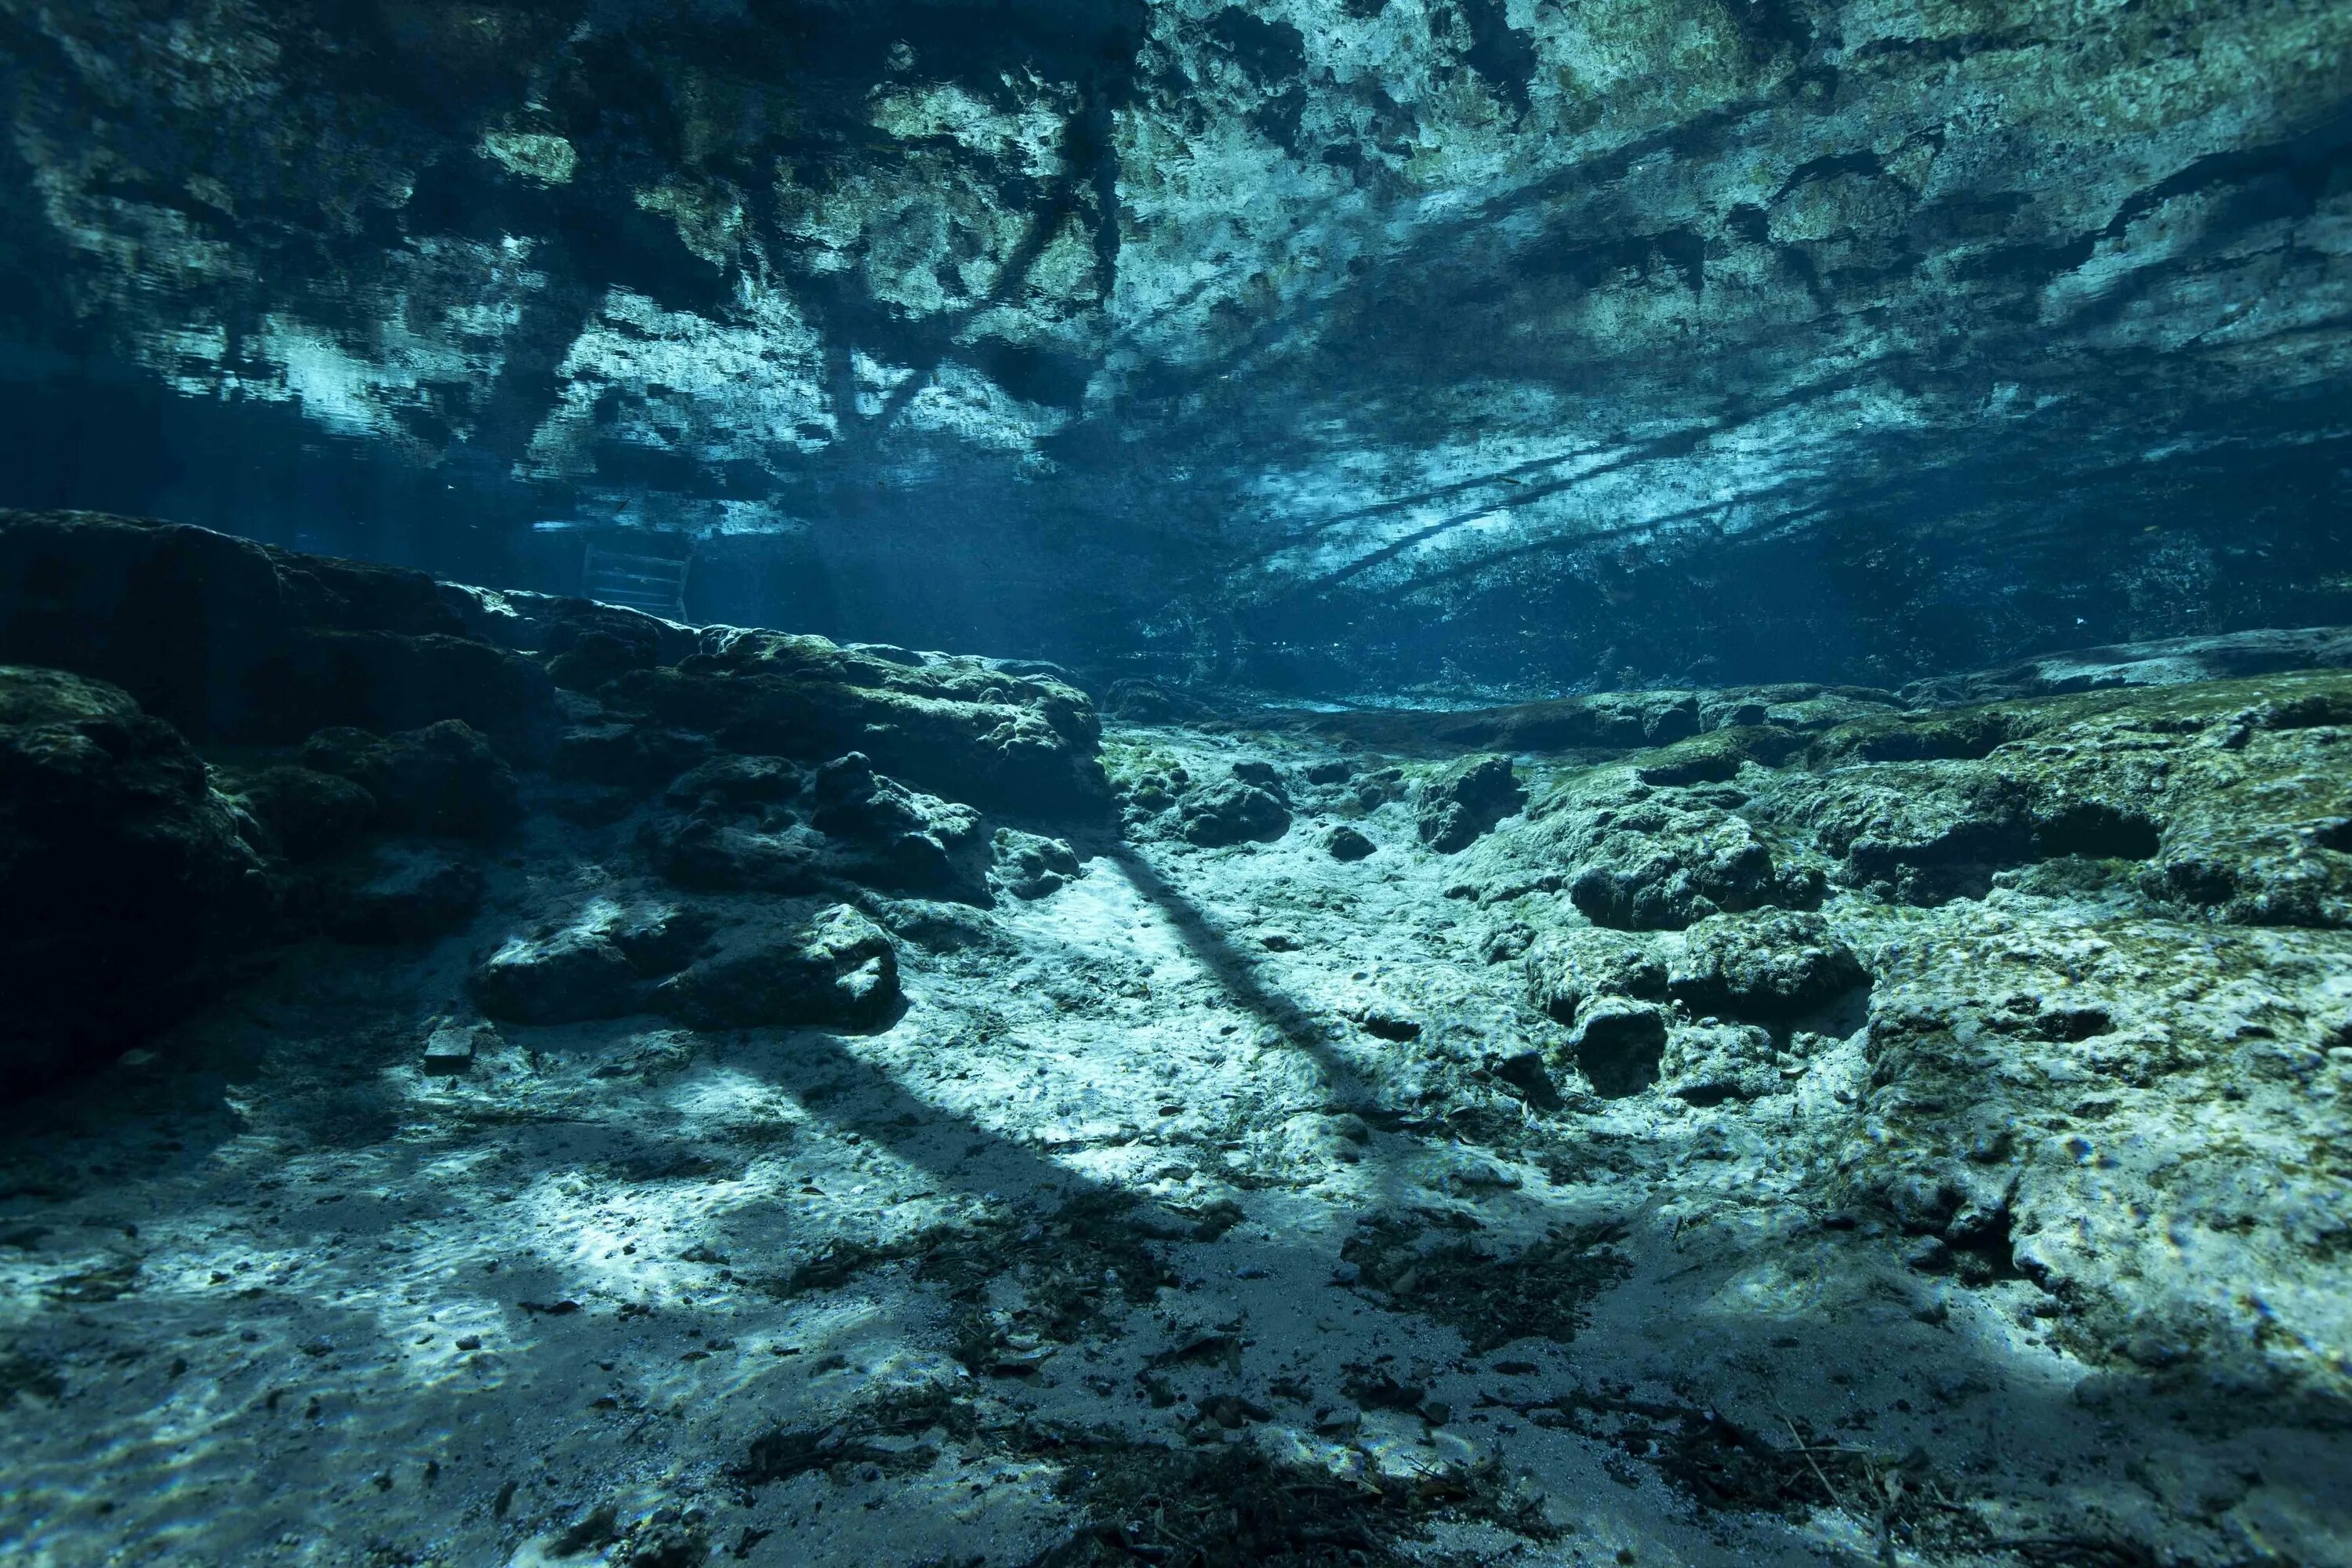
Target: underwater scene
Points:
x,y
1086,783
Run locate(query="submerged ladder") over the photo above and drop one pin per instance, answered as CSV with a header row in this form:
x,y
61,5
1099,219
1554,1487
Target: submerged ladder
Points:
x,y
653,584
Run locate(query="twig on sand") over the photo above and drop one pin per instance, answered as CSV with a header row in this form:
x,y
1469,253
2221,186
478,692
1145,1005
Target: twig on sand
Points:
x,y
1818,1474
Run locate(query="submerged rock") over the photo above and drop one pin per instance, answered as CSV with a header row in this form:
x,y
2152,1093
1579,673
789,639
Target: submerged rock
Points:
x,y
1567,967
1651,859
1464,800
763,823
1232,812
601,965
230,640
838,969
443,779
124,882
882,832
1030,866
308,813
1619,1044
565,977
960,725
404,893
1705,1064
1773,963
625,755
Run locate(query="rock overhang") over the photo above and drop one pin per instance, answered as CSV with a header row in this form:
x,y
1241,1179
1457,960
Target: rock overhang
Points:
x,y
1347,348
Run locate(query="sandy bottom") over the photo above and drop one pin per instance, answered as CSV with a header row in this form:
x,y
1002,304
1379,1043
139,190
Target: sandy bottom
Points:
x,y
1178,1218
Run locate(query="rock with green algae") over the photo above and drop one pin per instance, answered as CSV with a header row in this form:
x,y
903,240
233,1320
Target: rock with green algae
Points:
x,y
305,813
832,967
444,779
1772,963
956,725
765,823
1637,858
232,641
2107,1056
1465,799
2231,798
125,883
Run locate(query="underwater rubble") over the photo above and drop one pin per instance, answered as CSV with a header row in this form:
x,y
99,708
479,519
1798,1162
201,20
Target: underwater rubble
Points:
x,y
503,1078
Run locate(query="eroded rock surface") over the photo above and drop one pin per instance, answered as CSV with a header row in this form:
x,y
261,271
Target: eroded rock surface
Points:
x,y
840,1145
1501,346
123,876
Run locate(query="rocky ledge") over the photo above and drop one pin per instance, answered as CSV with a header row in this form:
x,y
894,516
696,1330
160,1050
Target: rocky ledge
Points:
x,y
532,1082
383,745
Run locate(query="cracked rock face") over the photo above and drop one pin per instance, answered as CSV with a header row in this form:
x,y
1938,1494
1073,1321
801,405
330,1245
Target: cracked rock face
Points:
x,y
1327,344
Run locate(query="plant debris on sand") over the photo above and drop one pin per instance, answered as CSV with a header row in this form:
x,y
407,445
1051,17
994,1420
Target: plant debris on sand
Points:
x,y
1541,1291
1232,1506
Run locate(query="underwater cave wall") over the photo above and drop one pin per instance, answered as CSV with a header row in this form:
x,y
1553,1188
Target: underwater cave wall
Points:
x,y
1347,347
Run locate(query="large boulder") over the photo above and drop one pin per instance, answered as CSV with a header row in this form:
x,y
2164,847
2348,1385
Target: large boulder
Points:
x,y
764,825
1233,811
1642,858
444,779
956,726
601,964
229,640
124,881
1773,963
837,970
1464,800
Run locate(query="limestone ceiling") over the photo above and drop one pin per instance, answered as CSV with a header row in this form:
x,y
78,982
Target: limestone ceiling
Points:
x,y
1372,319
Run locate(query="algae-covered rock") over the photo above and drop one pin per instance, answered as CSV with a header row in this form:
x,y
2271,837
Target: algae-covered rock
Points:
x,y
1029,866
1641,859
1717,756
230,640
763,823
443,779
1619,1045
1771,964
1464,800
571,976
837,969
1233,811
625,755
1705,1064
2085,1102
600,964
959,726
2225,796
1568,966
308,813
124,883
881,831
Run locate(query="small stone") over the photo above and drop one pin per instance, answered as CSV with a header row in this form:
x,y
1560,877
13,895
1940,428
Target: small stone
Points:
x,y
1344,843
450,1049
